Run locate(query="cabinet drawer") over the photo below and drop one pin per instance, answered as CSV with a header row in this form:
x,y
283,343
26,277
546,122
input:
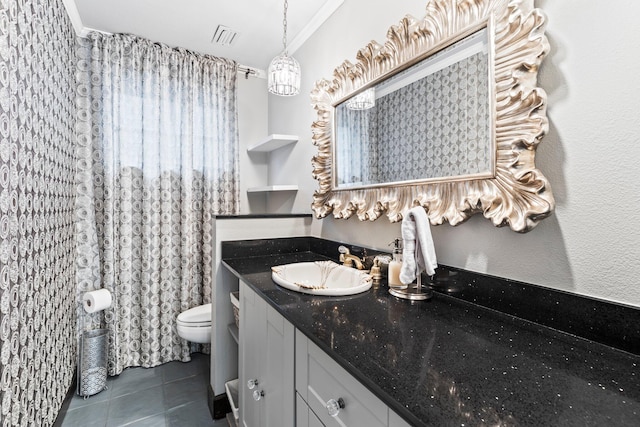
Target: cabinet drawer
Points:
x,y
304,416
396,421
320,379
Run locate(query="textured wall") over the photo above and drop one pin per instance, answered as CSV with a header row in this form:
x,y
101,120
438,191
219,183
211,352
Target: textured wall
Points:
x,y
591,154
37,286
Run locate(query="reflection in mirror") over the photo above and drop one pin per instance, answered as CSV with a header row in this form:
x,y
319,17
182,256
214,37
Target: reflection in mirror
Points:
x,y
429,122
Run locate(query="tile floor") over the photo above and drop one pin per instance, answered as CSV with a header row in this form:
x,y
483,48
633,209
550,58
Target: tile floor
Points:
x,y
173,394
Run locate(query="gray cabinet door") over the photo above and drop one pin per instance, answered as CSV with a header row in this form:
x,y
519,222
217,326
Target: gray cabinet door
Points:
x,y
279,391
266,358
251,348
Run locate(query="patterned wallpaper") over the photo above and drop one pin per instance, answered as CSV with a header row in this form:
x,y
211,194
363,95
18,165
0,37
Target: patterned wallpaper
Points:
x,y
37,161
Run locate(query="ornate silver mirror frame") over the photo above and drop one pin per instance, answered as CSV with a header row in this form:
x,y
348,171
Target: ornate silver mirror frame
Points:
x,y
517,194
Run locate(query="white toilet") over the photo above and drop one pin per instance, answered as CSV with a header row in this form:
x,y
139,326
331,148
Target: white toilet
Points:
x,y
195,324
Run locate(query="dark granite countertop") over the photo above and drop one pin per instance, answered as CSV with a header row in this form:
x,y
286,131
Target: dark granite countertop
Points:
x,y
448,362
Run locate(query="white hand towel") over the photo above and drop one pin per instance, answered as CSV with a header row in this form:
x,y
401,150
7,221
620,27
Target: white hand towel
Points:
x,y
418,253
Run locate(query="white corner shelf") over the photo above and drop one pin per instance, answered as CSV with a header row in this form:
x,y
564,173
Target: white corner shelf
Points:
x,y
273,142
272,188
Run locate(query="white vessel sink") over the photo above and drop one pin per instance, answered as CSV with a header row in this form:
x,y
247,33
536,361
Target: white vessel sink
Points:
x,y
321,278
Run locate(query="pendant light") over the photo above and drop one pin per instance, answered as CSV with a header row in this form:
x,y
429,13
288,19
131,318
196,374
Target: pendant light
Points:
x,y
363,100
284,71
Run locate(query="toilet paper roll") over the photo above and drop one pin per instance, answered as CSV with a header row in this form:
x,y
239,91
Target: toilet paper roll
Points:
x,y
95,301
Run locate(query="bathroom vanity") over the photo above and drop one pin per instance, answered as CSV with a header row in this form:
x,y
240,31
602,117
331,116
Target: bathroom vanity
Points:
x,y
389,362
273,353
224,363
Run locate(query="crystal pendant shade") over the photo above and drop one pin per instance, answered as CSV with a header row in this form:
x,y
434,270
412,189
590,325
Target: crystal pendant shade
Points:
x,y
284,76
363,100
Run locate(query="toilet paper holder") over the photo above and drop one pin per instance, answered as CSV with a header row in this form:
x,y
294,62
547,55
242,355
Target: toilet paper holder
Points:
x,y
93,352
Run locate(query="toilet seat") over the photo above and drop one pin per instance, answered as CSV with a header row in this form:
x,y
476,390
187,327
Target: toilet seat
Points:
x,y
196,316
195,324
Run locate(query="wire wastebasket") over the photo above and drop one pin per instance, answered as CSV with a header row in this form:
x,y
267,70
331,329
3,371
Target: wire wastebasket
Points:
x,y
92,366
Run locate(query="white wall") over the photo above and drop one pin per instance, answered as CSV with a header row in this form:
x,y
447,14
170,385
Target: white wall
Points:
x,y
591,154
252,127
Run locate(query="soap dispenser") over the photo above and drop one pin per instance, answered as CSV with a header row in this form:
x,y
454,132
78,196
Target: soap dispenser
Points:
x,y
396,265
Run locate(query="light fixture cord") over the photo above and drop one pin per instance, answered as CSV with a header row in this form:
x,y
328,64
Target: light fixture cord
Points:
x,y
284,24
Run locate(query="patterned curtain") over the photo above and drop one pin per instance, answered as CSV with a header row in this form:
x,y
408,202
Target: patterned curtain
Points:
x,y
157,157
355,136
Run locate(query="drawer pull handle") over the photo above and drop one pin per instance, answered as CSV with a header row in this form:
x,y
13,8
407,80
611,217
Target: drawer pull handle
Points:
x,y
334,406
258,394
252,384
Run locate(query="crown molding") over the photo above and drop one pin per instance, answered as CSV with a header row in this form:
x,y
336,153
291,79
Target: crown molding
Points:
x,y
318,19
74,16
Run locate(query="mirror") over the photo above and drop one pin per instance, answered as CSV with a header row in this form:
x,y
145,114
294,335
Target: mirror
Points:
x,y
429,122
445,115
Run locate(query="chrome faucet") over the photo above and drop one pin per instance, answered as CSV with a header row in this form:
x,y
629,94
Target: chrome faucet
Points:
x,y
349,260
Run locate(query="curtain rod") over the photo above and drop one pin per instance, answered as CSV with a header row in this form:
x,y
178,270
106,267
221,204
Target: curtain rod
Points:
x,y
250,71
242,69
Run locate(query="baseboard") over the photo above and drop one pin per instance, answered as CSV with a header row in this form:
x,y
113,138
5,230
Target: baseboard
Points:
x,y
219,405
67,400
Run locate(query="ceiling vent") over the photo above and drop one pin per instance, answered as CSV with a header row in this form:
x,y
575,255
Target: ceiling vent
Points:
x,y
224,36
